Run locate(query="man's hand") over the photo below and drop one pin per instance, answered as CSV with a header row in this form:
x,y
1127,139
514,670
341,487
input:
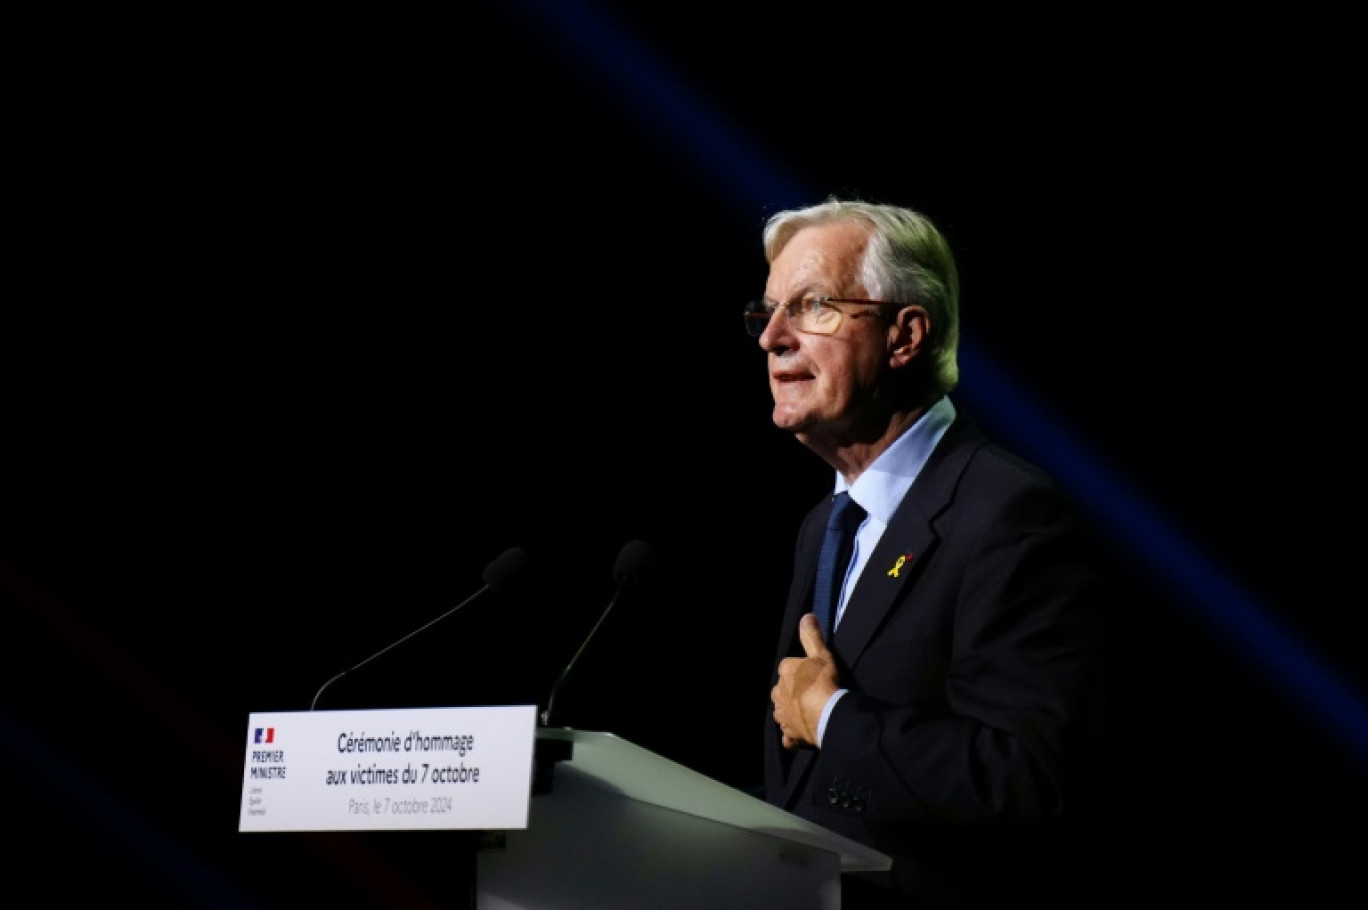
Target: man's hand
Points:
x,y
805,684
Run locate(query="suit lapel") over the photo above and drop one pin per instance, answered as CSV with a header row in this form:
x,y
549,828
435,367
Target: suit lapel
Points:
x,y
804,576
907,540
795,763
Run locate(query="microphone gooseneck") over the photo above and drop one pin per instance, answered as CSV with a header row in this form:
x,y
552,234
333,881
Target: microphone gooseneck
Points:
x,y
635,561
499,574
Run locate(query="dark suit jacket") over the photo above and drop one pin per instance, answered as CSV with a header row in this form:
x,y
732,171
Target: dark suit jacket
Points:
x,y
974,649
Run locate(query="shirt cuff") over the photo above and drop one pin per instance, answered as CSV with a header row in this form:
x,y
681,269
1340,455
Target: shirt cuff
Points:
x,y
826,713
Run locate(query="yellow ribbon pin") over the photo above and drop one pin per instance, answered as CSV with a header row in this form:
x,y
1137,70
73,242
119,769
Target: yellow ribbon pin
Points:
x,y
898,565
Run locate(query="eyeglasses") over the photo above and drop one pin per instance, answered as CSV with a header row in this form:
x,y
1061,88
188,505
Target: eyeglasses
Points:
x,y
813,315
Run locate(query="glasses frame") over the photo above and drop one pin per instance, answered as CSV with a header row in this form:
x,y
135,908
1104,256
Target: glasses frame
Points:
x,y
770,308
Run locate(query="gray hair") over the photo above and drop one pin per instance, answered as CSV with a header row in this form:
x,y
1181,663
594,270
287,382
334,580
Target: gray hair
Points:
x,y
908,260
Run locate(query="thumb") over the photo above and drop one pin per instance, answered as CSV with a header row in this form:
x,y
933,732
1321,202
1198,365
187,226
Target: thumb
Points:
x,y
810,634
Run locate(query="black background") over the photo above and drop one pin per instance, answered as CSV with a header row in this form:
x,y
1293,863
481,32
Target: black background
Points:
x,y
311,320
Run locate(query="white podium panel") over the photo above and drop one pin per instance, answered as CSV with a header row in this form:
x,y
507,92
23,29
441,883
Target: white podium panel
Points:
x,y
623,827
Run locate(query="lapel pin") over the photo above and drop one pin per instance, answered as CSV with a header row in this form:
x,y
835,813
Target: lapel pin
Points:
x,y
902,561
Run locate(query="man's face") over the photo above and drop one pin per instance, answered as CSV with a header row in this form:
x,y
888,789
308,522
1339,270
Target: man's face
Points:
x,y
819,382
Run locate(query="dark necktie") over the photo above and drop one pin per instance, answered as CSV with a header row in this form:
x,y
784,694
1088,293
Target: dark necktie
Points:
x,y
844,520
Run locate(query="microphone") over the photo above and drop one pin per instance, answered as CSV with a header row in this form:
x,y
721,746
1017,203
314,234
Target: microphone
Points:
x,y
498,575
635,561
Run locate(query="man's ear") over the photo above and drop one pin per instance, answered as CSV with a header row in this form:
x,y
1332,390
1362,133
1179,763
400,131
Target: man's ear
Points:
x,y
908,335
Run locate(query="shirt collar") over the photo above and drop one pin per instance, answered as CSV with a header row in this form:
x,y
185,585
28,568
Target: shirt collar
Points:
x,y
883,484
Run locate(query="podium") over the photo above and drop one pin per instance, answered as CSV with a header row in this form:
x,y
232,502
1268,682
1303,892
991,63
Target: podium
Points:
x,y
614,825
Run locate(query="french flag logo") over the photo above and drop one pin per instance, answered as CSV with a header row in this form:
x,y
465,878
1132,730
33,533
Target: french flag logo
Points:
x,y
264,735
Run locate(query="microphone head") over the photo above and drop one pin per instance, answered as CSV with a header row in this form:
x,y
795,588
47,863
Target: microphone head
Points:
x,y
507,568
635,561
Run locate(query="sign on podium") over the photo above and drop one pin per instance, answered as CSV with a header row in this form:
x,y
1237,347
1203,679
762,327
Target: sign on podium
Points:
x,y
391,769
